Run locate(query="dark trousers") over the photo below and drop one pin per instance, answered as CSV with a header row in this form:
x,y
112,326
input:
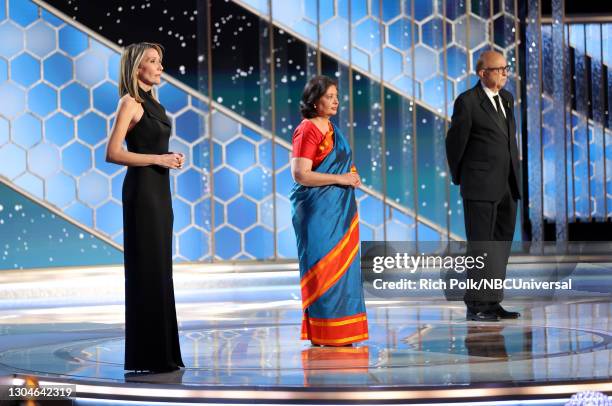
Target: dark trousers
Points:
x,y
489,228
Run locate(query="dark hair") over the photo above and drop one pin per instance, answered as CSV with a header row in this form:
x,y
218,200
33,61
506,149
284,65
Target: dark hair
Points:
x,y
313,91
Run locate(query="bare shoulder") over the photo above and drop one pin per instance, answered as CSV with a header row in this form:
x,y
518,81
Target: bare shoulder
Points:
x,y
127,102
128,106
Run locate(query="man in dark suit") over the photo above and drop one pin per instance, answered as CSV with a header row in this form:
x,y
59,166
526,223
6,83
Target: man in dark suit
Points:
x,y
483,159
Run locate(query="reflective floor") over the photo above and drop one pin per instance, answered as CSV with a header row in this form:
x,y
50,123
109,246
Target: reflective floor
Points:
x,y
243,331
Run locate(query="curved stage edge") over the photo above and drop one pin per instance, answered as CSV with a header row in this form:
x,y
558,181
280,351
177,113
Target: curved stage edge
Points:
x,y
239,332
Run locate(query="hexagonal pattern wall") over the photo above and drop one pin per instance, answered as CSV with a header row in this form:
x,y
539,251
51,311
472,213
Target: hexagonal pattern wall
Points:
x,y
64,92
57,117
230,200
404,42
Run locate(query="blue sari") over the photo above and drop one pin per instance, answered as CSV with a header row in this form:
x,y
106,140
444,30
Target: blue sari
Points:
x,y
327,230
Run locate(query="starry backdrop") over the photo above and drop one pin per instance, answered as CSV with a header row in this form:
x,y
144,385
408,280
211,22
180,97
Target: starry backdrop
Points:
x,y
172,24
64,85
32,236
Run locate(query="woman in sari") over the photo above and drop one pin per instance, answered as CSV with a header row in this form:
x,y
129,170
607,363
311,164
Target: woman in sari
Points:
x,y
326,222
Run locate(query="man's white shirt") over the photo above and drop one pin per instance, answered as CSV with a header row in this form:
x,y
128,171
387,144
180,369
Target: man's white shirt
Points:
x,y
490,94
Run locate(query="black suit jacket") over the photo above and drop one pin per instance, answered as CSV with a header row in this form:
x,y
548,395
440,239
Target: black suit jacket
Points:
x,y
481,149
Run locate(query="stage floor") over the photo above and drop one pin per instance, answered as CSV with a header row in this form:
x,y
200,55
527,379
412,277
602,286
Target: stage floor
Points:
x,y
239,335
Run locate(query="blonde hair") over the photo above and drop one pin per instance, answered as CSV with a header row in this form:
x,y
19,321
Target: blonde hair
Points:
x,y
128,71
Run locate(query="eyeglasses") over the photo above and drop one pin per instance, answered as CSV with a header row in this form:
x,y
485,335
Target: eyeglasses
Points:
x,y
499,69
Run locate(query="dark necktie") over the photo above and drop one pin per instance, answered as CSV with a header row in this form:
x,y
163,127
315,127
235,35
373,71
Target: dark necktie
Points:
x,y
499,108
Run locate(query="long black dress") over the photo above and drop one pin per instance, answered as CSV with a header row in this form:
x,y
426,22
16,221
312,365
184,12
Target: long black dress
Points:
x,y
151,333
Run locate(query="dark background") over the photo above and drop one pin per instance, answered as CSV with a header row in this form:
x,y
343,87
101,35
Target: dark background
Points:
x,y
181,27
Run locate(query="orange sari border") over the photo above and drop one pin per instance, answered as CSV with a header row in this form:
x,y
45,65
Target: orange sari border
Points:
x,y
323,262
332,267
339,331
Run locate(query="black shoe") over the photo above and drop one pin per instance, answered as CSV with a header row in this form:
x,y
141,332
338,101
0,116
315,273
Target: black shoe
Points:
x,y
481,316
170,368
505,314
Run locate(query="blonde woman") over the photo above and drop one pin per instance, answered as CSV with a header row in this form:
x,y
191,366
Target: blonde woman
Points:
x,y
151,332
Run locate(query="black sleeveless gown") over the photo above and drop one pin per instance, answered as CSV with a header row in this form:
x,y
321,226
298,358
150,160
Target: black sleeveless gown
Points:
x,y
151,332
